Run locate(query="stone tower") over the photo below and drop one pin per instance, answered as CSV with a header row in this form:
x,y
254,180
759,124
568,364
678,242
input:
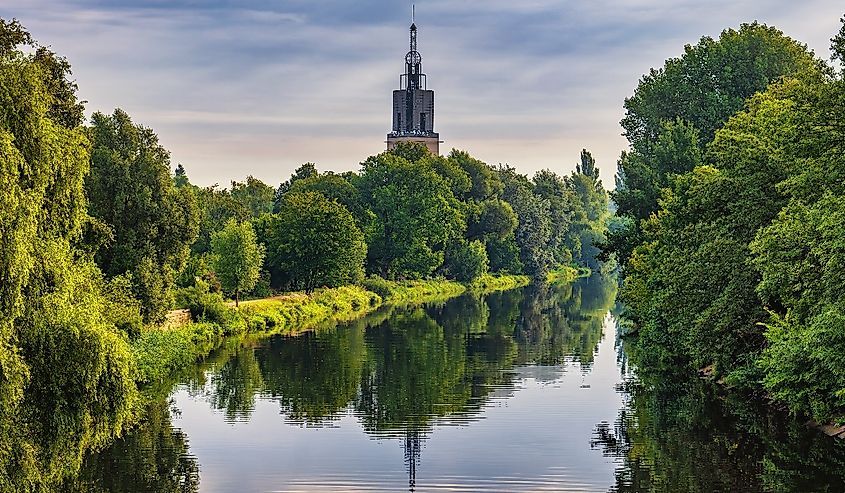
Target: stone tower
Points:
x,y
413,104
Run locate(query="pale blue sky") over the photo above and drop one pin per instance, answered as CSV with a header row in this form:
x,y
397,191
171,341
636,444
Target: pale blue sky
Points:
x,y
259,86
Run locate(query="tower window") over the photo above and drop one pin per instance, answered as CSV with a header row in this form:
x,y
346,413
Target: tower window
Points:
x,y
423,125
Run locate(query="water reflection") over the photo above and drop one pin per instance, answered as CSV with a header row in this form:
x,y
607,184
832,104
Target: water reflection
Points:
x,y
400,373
495,393
153,458
692,436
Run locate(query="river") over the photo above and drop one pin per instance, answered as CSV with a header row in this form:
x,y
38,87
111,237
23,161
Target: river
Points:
x,y
527,390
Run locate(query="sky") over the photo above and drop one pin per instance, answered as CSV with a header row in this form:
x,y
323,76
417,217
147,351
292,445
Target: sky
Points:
x,y
258,87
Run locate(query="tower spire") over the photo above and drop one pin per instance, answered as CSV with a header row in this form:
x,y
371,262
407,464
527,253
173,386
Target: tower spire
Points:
x,y
413,102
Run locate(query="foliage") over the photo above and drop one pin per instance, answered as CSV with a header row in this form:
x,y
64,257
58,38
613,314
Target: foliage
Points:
x,y
467,262
503,255
751,240
153,222
711,81
534,233
413,292
417,213
490,283
204,305
237,257
53,313
254,195
676,110
337,188
314,242
804,363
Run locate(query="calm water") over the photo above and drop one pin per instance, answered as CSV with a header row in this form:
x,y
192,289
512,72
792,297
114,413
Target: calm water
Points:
x,y
521,391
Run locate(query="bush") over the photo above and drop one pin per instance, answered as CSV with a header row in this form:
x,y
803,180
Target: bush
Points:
x,y
804,364
381,287
121,307
468,261
204,305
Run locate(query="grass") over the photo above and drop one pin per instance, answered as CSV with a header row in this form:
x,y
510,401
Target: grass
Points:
x,y
490,283
160,353
567,274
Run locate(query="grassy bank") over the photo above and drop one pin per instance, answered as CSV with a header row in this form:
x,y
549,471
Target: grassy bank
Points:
x,y
159,353
413,292
490,283
567,274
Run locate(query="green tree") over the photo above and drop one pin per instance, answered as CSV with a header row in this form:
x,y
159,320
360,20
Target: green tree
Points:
x,y
314,242
677,109
417,213
217,207
306,170
53,314
467,261
153,222
691,285
254,195
339,188
237,257
711,81
533,234
562,209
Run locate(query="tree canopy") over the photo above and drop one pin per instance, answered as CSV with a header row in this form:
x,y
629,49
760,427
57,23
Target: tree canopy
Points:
x,y
152,223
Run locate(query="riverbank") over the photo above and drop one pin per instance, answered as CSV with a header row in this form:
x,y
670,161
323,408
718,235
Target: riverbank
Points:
x,y
160,352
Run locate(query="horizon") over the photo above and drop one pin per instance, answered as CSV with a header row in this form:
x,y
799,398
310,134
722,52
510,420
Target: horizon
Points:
x,y
257,90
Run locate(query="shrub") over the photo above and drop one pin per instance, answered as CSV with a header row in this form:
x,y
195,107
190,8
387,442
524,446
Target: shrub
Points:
x,y
204,305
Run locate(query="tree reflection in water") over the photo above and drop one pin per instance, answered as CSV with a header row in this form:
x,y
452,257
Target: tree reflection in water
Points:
x,y
154,457
401,372
692,436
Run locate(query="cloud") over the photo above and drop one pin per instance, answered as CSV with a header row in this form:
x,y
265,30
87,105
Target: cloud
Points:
x,y
238,87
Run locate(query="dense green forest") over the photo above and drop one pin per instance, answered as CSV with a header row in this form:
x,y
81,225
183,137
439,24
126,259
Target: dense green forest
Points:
x,y
729,230
100,239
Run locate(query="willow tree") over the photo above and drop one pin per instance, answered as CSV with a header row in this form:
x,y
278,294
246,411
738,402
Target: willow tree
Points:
x,y
53,315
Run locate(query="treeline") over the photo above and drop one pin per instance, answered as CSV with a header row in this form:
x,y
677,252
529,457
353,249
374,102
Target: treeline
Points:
x,y
407,214
731,203
99,239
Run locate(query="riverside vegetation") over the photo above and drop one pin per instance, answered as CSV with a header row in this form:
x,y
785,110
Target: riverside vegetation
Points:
x,y
730,219
100,240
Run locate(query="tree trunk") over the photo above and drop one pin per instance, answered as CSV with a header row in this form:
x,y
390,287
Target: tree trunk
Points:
x,y
236,298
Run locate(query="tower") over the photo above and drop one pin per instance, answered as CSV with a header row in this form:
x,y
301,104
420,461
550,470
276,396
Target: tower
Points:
x,y
413,104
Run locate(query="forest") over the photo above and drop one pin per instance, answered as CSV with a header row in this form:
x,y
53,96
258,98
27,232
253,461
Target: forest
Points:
x,y
101,238
729,232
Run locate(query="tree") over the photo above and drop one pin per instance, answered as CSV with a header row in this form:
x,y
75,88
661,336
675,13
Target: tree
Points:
x,y
417,213
314,241
237,257
558,193
340,189
711,81
306,170
533,234
691,285
153,222
467,261
676,110
486,184
217,207
66,378
254,195
837,46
